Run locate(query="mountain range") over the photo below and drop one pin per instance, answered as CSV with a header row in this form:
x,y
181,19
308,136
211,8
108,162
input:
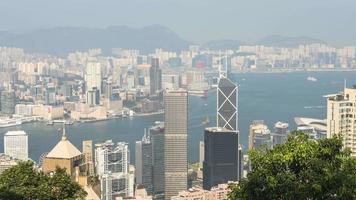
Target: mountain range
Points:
x,y
62,40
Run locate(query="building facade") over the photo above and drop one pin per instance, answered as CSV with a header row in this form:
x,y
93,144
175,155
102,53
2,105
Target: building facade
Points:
x,y
155,77
16,145
175,142
8,102
221,153
112,162
143,163
341,112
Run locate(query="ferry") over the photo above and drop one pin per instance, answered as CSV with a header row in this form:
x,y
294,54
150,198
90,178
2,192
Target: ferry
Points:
x,y
311,78
206,121
9,122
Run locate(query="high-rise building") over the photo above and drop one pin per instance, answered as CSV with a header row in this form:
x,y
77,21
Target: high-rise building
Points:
x,y
259,135
341,114
16,144
155,77
175,142
112,162
220,157
227,112
143,163
8,102
201,153
280,133
88,156
93,76
93,97
157,142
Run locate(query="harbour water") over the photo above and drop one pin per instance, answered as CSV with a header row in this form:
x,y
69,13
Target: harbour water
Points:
x,y
270,97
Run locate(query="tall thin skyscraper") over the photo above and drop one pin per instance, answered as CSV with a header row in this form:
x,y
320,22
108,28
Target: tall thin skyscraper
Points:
x,y
16,144
155,77
88,155
175,142
227,112
143,163
157,141
93,76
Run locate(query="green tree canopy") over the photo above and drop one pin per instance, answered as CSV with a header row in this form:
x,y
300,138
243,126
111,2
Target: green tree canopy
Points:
x,y
300,169
24,182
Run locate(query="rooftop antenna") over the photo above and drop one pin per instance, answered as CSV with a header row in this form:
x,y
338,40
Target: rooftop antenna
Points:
x,y
64,136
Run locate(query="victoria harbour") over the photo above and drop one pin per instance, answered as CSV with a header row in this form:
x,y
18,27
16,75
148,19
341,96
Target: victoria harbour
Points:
x,y
270,97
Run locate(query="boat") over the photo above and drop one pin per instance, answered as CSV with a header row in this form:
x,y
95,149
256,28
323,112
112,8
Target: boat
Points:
x,y
9,122
69,122
311,78
50,122
206,121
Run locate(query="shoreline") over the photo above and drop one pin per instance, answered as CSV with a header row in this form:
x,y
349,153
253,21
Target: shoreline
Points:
x,y
287,71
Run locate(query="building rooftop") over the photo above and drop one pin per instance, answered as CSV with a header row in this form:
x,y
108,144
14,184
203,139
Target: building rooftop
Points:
x,y
64,149
15,133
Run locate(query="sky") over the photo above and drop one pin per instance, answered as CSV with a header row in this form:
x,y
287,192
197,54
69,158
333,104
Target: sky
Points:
x,y
332,21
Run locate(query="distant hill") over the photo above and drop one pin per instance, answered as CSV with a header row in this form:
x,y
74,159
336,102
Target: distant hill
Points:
x,y
62,40
283,41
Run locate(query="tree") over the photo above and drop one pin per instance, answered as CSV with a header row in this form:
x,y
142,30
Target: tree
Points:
x,y
300,169
24,182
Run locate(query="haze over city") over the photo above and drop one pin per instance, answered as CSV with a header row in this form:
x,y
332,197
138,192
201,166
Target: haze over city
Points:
x,y
198,20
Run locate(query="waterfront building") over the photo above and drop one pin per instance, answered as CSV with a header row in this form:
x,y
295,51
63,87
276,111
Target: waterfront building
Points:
x,y
157,142
8,102
259,136
143,163
220,192
16,145
280,133
7,162
88,156
315,128
64,155
175,142
155,77
221,152
112,164
93,76
341,112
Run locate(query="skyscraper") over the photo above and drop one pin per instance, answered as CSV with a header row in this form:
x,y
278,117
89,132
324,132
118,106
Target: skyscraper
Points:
x,y
112,166
93,76
220,157
227,112
16,144
8,102
341,117
88,155
175,142
143,163
155,77
157,142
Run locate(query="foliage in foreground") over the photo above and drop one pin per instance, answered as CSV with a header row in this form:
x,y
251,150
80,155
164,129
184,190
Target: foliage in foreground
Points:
x,y
300,169
23,182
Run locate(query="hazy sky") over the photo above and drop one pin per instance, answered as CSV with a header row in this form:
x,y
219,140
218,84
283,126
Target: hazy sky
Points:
x,y
333,21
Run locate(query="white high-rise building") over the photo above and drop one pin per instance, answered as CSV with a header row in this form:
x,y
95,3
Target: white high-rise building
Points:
x,y
16,144
93,76
112,166
341,112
